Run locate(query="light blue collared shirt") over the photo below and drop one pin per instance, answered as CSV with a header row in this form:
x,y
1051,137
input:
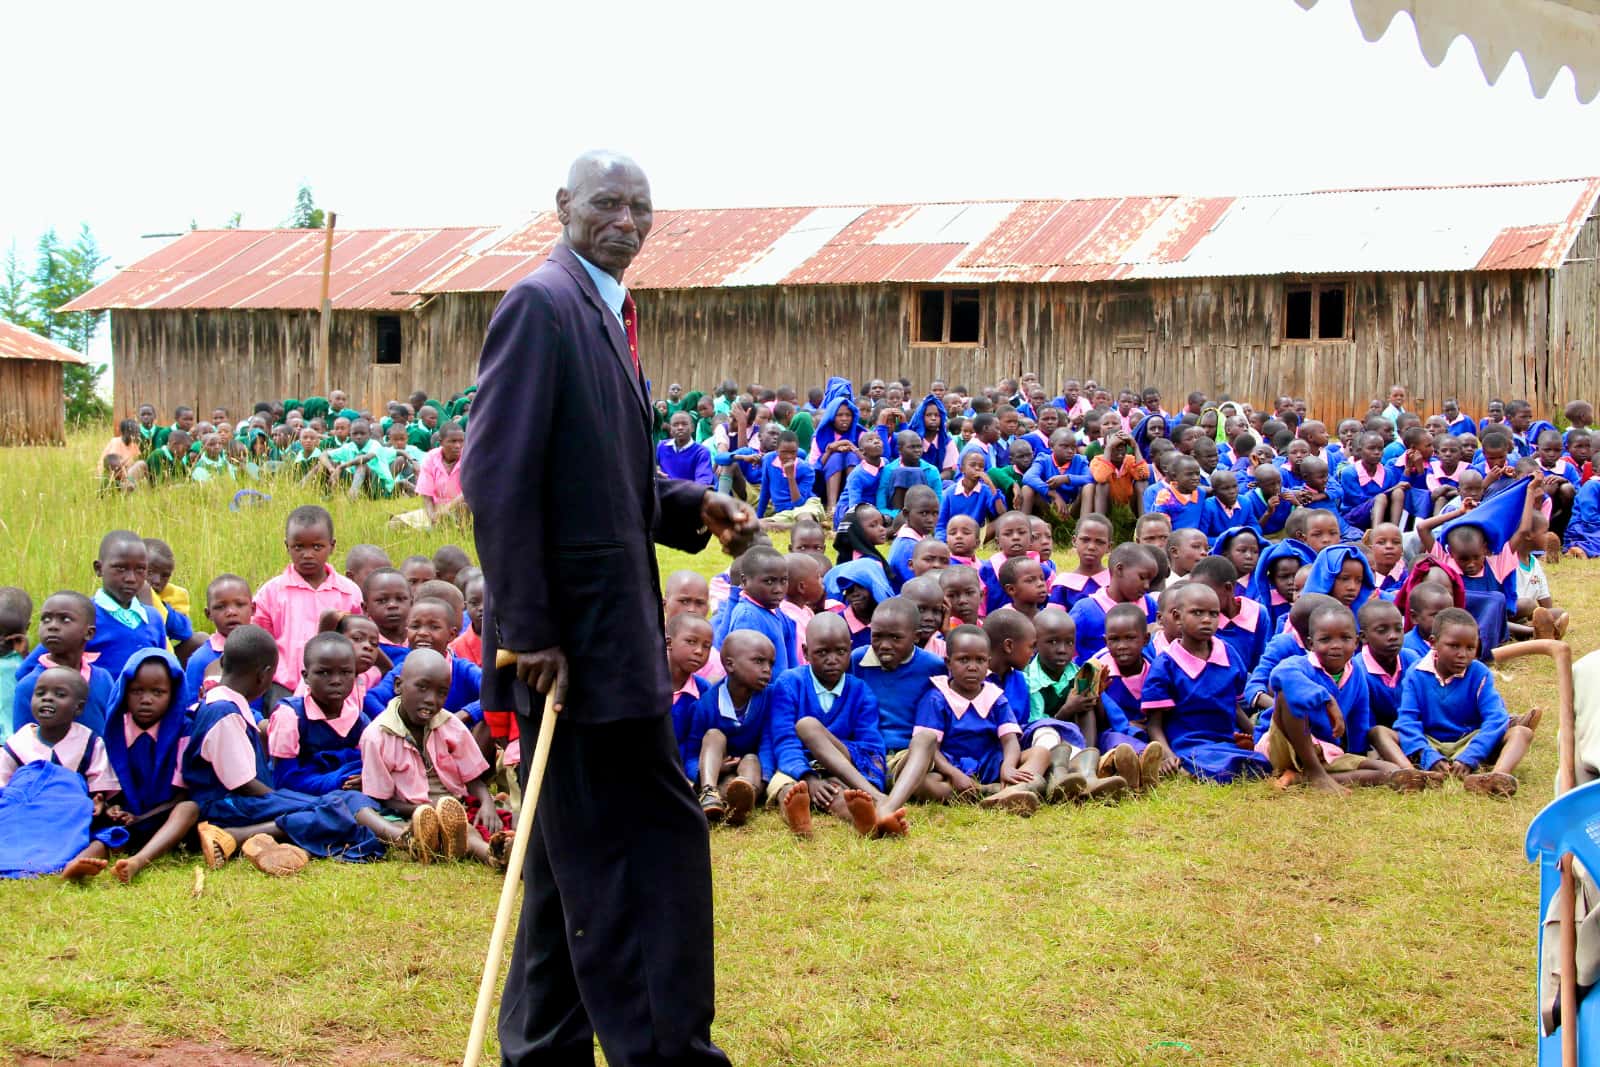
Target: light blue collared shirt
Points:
x,y
826,696
612,292
133,616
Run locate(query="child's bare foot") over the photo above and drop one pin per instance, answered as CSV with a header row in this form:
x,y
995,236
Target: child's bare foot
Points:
x,y
741,797
1150,761
1409,781
127,868
863,815
216,844
893,824
452,827
1286,780
83,868
1123,762
1325,784
1529,718
1018,800
1562,620
425,841
796,808
1492,784
1544,624
712,805
279,860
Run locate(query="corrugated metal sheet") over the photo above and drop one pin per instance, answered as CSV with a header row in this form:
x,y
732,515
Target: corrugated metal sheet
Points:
x,y
283,269
1514,226
17,343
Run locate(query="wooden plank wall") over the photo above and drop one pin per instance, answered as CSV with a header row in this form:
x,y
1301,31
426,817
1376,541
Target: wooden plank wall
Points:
x,y
1469,335
32,411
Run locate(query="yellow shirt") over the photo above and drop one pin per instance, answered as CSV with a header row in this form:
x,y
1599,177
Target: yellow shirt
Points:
x,y
176,597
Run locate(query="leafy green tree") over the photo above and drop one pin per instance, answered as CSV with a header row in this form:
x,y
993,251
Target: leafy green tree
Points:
x,y
307,215
15,305
62,273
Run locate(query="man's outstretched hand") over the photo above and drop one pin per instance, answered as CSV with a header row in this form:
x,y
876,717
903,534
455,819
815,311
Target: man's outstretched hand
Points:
x,y
730,521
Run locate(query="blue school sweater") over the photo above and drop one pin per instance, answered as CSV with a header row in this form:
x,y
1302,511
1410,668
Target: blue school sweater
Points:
x,y
905,543
96,709
1383,691
1197,711
775,485
886,483
691,464
1306,689
397,653
851,718
1281,646
1447,711
1353,492
980,505
194,672
1415,643
745,614
115,641
1045,467
466,683
860,487
1248,632
325,760
1089,616
1184,515
1015,687
1216,518
970,740
747,729
896,692
683,702
1120,698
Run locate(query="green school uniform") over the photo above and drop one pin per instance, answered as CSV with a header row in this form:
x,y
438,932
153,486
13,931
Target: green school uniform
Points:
x,y
380,477
804,428
205,469
419,436
161,465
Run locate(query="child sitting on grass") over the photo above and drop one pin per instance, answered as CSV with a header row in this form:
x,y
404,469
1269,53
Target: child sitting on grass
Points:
x,y
1091,541
688,647
290,606
313,739
226,770
386,599
433,623
66,624
728,750
1023,582
766,584
55,736
229,605
963,595
827,748
1318,728
416,750
1452,721
145,738
919,514
1384,658
1192,694
1132,568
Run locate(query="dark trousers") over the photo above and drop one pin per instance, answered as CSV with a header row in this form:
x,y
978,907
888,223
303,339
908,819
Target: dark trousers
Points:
x,y
615,936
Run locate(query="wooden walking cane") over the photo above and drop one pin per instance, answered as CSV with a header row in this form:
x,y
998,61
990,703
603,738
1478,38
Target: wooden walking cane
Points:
x,y
508,891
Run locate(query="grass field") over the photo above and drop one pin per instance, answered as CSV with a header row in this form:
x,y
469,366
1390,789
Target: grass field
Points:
x,y
1200,925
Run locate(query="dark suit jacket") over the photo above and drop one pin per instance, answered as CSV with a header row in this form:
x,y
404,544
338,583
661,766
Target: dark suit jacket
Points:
x,y
560,474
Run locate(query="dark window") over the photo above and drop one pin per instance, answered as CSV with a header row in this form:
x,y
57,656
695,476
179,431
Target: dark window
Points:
x,y
947,317
387,335
1314,313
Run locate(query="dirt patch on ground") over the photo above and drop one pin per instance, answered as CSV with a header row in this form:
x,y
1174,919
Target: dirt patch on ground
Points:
x,y
199,1054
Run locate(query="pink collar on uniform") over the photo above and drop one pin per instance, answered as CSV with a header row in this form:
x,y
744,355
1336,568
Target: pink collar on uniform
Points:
x,y
850,620
1077,580
983,703
965,561
216,641
690,687
349,713
1103,598
132,731
84,664
1191,664
222,692
999,559
1248,617
1367,479
1374,668
1161,641
1342,681
908,534
870,468
1108,665
959,487
1427,663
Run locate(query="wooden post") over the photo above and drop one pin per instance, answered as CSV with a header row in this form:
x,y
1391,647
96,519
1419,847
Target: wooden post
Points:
x,y
325,306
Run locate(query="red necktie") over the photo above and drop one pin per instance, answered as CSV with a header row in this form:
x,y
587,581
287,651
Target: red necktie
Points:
x,y
630,326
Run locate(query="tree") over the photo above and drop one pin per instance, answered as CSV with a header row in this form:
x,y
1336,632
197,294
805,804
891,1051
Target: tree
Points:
x,y
307,215
61,274
15,305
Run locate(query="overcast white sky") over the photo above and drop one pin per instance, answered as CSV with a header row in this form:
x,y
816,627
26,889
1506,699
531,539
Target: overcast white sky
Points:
x,y
419,114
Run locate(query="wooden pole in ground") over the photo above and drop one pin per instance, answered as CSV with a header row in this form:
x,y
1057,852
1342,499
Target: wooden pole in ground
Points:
x,y
325,306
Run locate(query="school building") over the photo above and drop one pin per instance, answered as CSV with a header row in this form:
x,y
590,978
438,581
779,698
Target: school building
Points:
x,y
32,401
1467,291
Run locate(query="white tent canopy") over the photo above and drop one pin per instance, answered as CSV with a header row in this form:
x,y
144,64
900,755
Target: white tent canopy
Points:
x,y
1550,34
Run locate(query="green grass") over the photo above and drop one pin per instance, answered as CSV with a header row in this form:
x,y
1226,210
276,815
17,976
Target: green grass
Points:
x,y
1200,925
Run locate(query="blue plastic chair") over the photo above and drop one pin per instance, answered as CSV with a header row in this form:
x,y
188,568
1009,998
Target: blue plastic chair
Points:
x,y
1568,824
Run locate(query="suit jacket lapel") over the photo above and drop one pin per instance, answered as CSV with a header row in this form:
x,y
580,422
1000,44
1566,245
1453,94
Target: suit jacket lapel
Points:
x,y
613,328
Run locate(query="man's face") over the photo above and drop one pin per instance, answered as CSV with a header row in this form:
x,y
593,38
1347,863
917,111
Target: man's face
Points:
x,y
607,214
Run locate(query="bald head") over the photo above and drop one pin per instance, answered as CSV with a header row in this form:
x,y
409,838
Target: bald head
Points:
x,y
827,626
605,210
425,663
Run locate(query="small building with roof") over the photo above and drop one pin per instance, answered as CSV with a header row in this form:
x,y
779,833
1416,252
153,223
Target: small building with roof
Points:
x,y
32,399
1470,292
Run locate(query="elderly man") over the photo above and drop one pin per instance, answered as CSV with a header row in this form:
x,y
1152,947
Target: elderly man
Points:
x,y
615,939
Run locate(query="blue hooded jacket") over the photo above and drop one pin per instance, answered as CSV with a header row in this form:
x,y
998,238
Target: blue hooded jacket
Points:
x,y
145,773
864,572
1260,589
919,422
838,393
1327,565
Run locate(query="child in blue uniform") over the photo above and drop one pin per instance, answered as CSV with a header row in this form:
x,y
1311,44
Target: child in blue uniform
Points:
x,y
1272,584
314,740
729,741
226,770
976,731
1121,669
1342,572
1054,483
1090,542
1242,623
1191,696
145,738
861,487
920,513
1452,720
899,675
1014,538
1183,499
757,606
860,585
66,625
229,605
969,494
434,623
1385,660
1224,510
1371,491
122,625
1386,553
1241,546
1132,568
825,739
688,651
1319,727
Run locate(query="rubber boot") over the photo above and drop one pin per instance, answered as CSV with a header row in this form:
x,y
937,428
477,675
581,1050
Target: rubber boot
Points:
x,y
1078,770
1055,779
1096,787
1022,799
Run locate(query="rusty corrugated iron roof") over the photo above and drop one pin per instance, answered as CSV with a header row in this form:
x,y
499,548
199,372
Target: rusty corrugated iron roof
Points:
x,y
371,269
1509,226
17,343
